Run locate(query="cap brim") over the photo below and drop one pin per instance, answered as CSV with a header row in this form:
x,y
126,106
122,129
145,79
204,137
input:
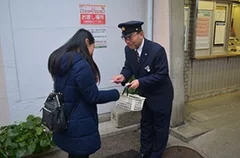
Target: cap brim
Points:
x,y
127,35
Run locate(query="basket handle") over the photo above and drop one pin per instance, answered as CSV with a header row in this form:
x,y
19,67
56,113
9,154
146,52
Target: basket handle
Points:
x,y
125,90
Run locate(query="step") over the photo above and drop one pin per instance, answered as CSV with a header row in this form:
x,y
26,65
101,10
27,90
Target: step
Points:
x,y
188,132
122,118
202,123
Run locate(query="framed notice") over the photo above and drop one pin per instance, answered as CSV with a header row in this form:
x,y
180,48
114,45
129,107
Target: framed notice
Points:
x,y
203,29
219,33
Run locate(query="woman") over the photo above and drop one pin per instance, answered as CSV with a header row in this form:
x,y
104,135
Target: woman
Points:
x,y
75,74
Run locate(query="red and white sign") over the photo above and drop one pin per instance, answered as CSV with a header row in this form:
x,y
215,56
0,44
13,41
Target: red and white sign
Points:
x,y
91,14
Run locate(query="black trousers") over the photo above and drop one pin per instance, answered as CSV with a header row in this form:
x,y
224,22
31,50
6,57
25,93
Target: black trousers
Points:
x,y
155,130
77,156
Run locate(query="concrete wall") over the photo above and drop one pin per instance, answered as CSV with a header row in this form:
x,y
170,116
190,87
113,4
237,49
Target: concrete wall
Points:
x,y
168,28
30,30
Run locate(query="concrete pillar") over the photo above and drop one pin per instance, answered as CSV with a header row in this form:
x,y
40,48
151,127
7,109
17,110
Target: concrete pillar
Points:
x,y
168,30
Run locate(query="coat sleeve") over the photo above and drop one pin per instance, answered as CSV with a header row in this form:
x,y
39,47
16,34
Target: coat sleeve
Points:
x,y
160,70
89,91
126,70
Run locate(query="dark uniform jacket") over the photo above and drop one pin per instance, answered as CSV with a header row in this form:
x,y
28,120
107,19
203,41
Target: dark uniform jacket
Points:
x,y
152,73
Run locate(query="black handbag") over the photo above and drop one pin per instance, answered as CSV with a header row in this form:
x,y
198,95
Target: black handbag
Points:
x,y
53,111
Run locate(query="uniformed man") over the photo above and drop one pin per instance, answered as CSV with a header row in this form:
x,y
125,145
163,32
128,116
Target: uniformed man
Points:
x,y
147,61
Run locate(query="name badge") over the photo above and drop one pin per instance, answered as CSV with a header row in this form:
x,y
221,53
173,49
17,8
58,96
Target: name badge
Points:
x,y
147,68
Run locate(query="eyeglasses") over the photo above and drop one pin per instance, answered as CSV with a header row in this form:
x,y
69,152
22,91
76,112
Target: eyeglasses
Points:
x,y
129,37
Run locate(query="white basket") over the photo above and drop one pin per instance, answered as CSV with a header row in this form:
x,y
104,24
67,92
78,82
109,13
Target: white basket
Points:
x,y
131,102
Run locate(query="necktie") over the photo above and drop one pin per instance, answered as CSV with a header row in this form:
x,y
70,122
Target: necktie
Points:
x,y
137,56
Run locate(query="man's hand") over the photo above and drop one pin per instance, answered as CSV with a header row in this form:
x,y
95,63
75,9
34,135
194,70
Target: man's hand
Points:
x,y
118,79
134,84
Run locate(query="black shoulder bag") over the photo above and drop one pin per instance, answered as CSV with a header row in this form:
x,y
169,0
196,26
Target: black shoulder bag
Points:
x,y
53,111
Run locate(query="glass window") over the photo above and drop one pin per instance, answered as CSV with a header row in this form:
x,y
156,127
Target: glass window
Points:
x,y
234,35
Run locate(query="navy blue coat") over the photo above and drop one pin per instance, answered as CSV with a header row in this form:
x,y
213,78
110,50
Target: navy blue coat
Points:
x,y
152,73
81,92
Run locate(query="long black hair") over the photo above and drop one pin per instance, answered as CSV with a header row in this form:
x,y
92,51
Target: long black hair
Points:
x,y
76,44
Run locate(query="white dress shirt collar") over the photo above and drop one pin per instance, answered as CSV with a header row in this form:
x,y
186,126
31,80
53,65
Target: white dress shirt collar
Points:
x,y
139,50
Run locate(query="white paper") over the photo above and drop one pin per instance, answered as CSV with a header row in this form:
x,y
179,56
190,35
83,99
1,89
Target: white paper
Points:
x,y
220,33
100,35
220,15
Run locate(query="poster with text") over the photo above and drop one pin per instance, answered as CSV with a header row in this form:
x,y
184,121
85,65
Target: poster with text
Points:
x,y
203,29
220,28
91,14
220,13
100,35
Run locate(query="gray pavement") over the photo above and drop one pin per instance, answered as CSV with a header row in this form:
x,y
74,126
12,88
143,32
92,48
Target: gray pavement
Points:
x,y
113,146
110,145
222,142
212,128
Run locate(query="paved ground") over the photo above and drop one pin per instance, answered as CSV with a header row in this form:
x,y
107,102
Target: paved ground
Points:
x,y
110,146
212,128
117,144
124,145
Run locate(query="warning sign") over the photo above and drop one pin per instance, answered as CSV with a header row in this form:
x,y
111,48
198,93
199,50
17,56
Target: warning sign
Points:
x,y
91,14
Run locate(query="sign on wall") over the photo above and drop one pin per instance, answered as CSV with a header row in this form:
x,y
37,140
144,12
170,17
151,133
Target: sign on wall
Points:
x,y
203,29
100,35
91,14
